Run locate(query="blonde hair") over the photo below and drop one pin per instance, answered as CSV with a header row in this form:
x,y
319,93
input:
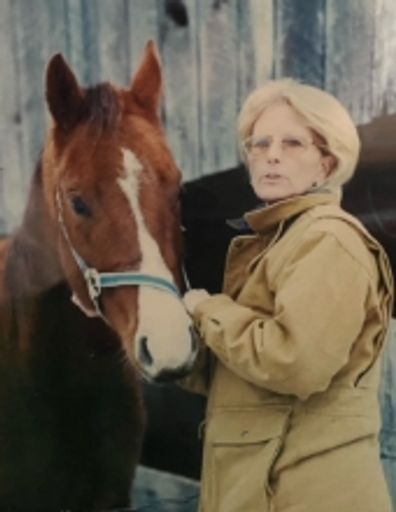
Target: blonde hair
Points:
x,y
324,115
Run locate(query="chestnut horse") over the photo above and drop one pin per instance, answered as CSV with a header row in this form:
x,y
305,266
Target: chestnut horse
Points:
x,y
101,228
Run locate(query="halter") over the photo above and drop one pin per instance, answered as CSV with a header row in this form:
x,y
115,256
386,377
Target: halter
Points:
x,y
96,280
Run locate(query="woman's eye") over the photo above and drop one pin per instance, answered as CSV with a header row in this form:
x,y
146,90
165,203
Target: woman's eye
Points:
x,y
80,206
293,143
262,144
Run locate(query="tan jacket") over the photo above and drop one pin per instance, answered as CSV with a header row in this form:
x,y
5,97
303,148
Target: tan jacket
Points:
x,y
292,416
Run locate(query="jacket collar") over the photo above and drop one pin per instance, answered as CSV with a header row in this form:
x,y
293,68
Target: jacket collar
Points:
x,y
265,218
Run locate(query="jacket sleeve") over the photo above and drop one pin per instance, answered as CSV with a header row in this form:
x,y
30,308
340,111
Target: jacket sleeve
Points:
x,y
319,310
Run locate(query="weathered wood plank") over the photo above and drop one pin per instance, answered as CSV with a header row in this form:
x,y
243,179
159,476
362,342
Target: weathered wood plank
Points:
x,y
90,26
83,27
261,27
11,195
384,64
218,83
54,39
27,32
214,53
179,50
299,42
113,41
246,64
75,39
143,24
388,407
349,54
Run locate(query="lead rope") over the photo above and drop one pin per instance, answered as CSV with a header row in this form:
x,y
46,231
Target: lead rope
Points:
x,y
184,271
185,277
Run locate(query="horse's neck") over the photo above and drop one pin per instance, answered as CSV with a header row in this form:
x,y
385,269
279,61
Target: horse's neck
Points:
x,y
29,270
29,263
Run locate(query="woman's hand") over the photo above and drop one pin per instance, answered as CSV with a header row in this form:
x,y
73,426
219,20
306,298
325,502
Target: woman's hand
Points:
x,y
193,297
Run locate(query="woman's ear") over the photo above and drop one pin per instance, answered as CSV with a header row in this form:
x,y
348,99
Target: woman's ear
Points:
x,y
329,163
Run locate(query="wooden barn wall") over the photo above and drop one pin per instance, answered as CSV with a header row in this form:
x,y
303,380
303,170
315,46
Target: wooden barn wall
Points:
x,y
214,52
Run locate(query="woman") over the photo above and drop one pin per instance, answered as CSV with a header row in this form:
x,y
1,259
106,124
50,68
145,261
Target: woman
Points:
x,y
295,338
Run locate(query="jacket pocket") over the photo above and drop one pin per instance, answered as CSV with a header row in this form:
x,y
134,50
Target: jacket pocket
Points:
x,y
240,449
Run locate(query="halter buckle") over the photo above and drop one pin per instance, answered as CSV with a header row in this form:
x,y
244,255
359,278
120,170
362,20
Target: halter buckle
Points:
x,y
92,278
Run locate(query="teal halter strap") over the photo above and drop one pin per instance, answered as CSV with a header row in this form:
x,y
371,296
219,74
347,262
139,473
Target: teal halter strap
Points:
x,y
98,280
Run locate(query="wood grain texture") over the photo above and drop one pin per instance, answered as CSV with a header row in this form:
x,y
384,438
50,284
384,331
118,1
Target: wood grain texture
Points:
x,y
350,55
214,52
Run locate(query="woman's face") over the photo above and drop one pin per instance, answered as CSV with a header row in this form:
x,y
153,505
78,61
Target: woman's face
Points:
x,y
282,155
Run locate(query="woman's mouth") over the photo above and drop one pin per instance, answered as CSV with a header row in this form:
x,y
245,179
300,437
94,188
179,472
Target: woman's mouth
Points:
x,y
271,176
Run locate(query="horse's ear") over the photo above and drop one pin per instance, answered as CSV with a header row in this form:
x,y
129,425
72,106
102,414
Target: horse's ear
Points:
x,y
146,88
64,96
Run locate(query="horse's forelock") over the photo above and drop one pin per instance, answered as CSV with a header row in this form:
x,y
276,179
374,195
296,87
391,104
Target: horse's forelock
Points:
x,y
102,107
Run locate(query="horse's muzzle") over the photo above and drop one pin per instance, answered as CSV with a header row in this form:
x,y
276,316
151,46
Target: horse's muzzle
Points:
x,y
166,373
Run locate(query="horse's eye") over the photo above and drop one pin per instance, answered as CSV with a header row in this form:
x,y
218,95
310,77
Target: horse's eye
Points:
x,y
81,207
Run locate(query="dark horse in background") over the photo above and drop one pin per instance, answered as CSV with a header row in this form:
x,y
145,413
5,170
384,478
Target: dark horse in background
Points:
x,y
89,297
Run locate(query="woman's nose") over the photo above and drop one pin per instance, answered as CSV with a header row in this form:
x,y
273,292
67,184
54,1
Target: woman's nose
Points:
x,y
274,152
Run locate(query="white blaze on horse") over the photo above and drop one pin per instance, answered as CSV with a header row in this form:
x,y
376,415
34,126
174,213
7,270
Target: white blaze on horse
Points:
x,y
102,228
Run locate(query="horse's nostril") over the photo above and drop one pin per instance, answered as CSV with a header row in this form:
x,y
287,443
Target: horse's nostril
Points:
x,y
144,353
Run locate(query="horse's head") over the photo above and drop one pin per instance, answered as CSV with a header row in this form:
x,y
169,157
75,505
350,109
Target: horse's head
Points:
x,y
112,188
